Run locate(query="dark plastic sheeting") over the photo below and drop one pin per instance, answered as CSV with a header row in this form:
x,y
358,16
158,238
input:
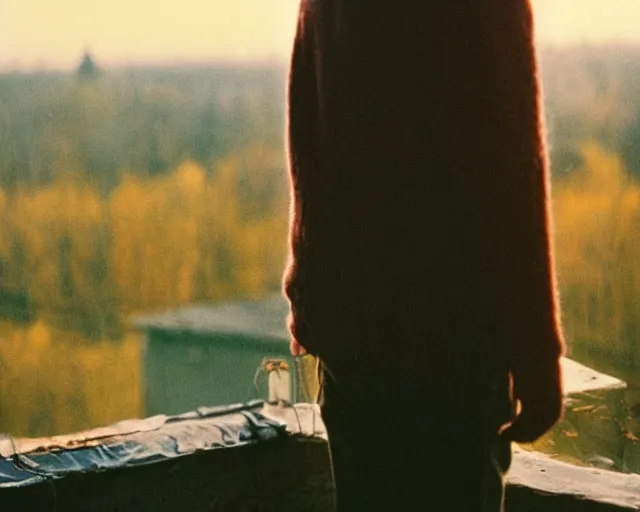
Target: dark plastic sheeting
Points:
x,y
143,442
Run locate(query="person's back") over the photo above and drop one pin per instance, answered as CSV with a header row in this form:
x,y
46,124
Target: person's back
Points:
x,y
420,268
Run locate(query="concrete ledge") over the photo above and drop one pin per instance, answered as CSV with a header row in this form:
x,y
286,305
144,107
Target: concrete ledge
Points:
x,y
288,471
536,482
283,474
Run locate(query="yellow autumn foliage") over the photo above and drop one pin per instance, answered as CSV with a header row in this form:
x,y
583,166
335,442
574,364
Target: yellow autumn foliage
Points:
x,y
182,237
56,382
90,259
597,235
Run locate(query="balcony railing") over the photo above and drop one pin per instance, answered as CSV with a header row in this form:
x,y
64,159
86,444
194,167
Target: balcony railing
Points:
x,y
254,456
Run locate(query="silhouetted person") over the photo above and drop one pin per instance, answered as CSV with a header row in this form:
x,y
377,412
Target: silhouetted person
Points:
x,y
420,270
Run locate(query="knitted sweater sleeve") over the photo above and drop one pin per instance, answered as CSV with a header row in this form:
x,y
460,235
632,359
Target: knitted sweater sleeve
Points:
x,y
530,323
302,151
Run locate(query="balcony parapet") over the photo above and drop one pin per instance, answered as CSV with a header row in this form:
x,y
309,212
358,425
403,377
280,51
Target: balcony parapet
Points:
x,y
245,457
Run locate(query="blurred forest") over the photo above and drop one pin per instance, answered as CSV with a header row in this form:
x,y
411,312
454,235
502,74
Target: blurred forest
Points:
x,y
130,190
592,98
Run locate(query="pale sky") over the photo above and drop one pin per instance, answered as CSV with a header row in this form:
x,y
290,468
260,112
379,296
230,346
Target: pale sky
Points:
x,y
54,33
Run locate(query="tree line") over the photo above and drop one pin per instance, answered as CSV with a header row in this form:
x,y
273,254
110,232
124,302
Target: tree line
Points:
x,y
139,121
67,251
147,188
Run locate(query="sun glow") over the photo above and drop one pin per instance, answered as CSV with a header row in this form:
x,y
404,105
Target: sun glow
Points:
x,y
48,34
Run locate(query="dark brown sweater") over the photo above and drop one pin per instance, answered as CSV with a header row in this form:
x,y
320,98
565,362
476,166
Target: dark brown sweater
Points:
x,y
420,212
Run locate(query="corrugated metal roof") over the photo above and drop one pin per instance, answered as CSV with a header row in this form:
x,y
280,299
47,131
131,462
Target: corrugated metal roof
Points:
x,y
263,319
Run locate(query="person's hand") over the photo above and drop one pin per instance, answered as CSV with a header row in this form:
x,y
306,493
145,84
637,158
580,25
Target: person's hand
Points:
x,y
296,349
539,391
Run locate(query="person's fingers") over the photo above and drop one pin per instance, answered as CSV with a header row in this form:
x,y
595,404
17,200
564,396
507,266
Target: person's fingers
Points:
x,y
533,421
539,392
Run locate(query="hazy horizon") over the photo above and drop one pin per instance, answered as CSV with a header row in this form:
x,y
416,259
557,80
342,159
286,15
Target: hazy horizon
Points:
x,y
42,34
